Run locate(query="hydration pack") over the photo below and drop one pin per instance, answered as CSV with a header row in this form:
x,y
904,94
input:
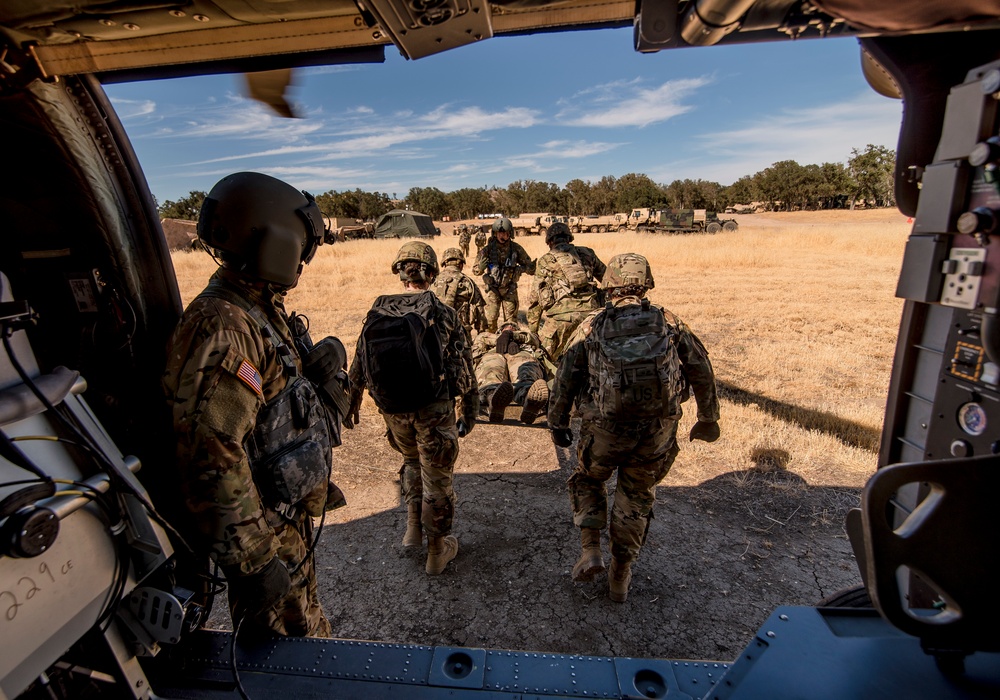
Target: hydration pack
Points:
x,y
402,353
574,275
635,369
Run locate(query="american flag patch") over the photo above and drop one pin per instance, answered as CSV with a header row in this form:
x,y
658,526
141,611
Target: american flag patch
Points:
x,y
251,377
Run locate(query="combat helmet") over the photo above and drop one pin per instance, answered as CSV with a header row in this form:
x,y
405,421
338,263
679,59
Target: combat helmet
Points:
x,y
503,224
261,227
558,230
453,254
628,269
418,252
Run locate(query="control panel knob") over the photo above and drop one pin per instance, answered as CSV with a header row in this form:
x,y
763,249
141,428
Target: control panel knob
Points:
x,y
960,448
984,152
979,220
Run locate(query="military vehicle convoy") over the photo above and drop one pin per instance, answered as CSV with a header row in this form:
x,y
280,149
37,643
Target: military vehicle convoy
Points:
x,y
100,595
533,224
645,220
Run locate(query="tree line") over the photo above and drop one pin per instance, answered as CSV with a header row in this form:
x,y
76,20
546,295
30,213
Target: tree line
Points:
x,y
868,175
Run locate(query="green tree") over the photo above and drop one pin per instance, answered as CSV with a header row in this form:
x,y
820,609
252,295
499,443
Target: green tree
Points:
x,y
873,171
469,202
187,208
604,194
635,190
743,191
428,200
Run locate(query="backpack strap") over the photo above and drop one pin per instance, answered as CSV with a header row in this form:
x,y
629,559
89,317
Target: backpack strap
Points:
x,y
220,289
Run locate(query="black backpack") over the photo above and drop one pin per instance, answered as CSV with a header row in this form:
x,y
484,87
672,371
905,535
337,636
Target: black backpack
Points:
x,y
402,353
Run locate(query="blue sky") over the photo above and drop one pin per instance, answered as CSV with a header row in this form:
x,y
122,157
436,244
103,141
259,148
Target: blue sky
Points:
x,y
549,107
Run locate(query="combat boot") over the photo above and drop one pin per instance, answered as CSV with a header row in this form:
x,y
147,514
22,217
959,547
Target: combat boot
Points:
x,y
591,562
414,536
440,551
501,398
535,402
619,578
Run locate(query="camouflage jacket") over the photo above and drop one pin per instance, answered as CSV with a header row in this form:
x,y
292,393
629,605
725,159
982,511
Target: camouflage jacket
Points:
x,y
459,291
461,376
572,381
464,236
487,342
220,371
552,293
501,265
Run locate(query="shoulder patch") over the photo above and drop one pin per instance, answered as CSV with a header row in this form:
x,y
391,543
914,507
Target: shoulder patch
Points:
x,y
249,375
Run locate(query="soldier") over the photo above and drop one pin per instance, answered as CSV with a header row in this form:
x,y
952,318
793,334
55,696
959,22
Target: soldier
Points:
x,y
511,368
464,236
413,357
564,289
501,263
237,365
459,291
629,366
480,238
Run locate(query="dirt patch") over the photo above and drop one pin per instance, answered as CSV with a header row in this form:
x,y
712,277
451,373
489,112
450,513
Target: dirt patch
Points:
x,y
720,555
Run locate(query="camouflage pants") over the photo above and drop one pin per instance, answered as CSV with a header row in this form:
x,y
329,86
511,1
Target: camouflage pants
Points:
x,y
557,328
428,441
494,301
522,370
642,454
299,614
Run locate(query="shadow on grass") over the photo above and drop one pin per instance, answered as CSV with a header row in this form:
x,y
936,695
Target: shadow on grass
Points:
x,y
847,431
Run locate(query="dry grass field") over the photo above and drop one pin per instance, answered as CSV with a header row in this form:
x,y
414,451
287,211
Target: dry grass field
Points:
x,y
799,316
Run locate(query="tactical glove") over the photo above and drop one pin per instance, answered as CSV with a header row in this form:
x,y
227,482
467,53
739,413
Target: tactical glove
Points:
x,y
324,365
256,592
704,430
463,429
562,437
353,416
470,409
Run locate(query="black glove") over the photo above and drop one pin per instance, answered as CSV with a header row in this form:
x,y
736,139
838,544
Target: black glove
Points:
x,y
562,437
463,428
470,409
325,366
253,593
503,341
704,430
353,415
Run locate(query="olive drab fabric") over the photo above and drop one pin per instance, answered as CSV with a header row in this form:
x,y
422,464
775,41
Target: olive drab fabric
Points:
x,y
460,292
563,293
573,275
402,353
635,372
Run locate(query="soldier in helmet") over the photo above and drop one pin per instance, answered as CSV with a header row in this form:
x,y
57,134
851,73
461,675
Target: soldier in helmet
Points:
x,y
236,366
564,289
629,366
459,291
464,236
480,238
501,263
413,356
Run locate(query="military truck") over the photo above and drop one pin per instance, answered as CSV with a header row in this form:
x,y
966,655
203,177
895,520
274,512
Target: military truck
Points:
x,y
598,224
100,595
533,224
680,221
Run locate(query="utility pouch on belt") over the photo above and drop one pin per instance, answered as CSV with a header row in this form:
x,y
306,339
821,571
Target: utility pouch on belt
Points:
x,y
289,448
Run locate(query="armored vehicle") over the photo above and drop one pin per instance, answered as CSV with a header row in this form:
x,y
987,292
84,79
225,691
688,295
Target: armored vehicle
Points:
x,y
100,596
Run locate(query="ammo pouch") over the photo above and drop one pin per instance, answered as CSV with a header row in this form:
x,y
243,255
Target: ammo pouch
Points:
x,y
289,448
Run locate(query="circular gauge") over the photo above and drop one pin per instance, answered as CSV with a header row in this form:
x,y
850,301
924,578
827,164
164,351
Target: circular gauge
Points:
x,y
972,419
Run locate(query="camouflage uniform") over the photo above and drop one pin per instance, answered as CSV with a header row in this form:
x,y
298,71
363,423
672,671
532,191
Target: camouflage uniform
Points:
x,y
501,265
522,369
459,291
563,306
480,240
214,411
642,452
464,236
428,438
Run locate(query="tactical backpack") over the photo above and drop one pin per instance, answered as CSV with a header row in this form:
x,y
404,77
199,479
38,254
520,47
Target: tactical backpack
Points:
x,y
635,369
402,353
575,277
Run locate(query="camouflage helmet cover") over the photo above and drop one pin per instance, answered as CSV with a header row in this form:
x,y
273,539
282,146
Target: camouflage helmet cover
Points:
x,y
503,224
558,230
416,251
628,269
263,227
451,255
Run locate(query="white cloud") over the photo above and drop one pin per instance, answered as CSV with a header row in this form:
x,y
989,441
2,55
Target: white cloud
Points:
x,y
633,105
